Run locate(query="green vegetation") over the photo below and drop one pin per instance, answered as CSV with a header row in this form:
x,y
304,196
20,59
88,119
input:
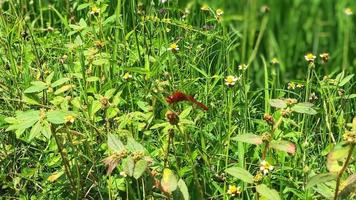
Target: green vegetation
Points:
x,y
149,99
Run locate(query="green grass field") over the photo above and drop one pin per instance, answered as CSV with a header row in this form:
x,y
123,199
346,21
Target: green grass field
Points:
x,y
168,99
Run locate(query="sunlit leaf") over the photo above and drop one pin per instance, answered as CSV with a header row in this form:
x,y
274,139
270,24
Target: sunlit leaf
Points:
x,y
267,193
248,138
128,165
283,145
240,173
54,176
320,178
304,108
59,82
115,143
140,168
277,103
183,189
169,181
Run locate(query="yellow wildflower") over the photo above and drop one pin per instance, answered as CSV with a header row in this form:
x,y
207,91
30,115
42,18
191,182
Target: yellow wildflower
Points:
x,y
310,57
265,167
233,190
230,80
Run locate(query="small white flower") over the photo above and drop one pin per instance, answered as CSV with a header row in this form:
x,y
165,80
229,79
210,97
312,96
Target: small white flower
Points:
x,y
265,167
242,67
348,11
230,80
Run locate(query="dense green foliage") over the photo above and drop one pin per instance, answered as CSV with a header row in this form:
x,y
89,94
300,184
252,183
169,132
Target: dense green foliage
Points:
x,y
88,109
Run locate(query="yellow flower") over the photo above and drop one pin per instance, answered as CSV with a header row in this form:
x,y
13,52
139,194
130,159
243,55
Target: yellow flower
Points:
x,y
127,76
265,167
230,80
204,7
69,119
291,86
173,47
94,10
274,61
233,190
219,12
300,85
310,57
348,11
242,67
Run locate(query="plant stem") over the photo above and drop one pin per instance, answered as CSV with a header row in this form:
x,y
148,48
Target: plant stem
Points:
x,y
339,175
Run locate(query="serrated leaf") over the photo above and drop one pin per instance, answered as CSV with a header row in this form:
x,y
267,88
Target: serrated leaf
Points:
x,y
249,138
304,108
100,61
35,89
95,107
59,82
56,116
184,114
169,181
128,165
133,146
35,131
283,145
109,93
115,143
240,173
267,193
140,168
63,89
320,178
277,103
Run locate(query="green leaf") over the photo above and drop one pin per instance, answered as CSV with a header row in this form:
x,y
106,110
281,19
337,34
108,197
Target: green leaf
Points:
x,y
59,82
133,146
92,79
249,138
320,178
109,93
267,193
100,61
115,143
283,145
63,89
277,103
83,5
36,88
184,114
345,80
240,173
35,131
56,116
169,181
140,168
336,158
182,187
128,165
304,108
95,107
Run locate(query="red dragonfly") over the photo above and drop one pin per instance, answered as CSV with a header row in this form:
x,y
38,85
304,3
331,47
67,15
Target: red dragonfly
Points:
x,y
180,96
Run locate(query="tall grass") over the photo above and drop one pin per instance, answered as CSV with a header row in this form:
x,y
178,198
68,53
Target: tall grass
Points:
x,y
84,86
